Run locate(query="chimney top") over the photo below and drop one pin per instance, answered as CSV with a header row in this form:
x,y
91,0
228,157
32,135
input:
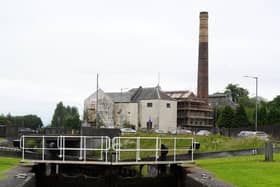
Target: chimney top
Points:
x,y
204,14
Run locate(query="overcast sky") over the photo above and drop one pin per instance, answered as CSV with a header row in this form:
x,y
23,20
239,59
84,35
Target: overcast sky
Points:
x,y
51,50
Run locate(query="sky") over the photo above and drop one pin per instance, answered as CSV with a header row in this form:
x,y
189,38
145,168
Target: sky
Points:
x,y
51,51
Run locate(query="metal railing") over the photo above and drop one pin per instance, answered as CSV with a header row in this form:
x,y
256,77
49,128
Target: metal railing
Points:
x,y
67,148
104,150
154,149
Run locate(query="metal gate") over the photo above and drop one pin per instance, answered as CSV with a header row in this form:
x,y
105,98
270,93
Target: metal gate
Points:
x,y
106,151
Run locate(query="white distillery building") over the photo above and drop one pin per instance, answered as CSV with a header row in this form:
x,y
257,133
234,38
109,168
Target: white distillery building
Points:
x,y
135,107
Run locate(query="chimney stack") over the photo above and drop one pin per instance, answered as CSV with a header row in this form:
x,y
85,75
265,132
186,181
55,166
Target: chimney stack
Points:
x,y
202,78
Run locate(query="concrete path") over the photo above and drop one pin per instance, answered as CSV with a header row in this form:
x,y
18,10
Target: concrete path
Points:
x,y
197,176
17,176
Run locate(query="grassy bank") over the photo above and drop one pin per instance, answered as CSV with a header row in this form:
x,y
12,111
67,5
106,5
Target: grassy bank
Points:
x,y
210,143
7,163
2,140
244,171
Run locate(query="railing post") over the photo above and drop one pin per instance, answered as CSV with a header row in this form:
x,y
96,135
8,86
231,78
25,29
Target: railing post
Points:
x,y
119,149
43,148
174,148
63,148
81,148
101,148
85,148
23,147
138,149
60,146
106,153
192,149
156,149
115,151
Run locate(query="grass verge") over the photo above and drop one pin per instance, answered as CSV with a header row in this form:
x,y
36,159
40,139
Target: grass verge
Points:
x,y
210,143
7,163
2,140
244,171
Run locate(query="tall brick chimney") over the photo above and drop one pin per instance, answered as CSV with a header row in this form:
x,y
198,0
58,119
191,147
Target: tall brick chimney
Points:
x,y
202,77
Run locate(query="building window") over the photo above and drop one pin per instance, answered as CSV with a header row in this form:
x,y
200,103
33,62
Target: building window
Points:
x,y
149,105
168,105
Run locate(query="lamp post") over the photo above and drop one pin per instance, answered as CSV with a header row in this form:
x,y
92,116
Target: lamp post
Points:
x,y
256,122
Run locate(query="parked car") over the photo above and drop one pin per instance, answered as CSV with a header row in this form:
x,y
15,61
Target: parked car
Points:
x,y
262,135
180,131
258,134
127,130
159,131
203,133
24,131
245,133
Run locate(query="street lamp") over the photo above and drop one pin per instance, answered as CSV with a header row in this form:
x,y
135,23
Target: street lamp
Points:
x,y
256,78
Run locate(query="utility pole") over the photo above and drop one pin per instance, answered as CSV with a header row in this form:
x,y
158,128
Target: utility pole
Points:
x,y
256,120
96,112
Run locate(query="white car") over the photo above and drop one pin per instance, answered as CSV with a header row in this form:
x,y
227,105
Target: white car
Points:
x,y
203,133
261,135
181,131
258,134
245,133
128,130
159,131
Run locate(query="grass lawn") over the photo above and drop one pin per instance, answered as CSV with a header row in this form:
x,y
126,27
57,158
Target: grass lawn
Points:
x,y
7,163
211,143
2,140
244,170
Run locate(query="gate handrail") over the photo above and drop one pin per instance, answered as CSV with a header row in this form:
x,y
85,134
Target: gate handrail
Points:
x,y
105,147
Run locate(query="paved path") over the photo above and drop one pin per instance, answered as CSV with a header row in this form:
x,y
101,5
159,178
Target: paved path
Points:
x,y
14,179
200,177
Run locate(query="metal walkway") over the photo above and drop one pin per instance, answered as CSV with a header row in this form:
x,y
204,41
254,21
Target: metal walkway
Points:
x,y
103,150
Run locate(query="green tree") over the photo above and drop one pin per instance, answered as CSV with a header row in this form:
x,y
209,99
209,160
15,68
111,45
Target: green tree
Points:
x,y
226,118
262,115
58,116
4,120
273,111
237,93
30,121
240,117
66,117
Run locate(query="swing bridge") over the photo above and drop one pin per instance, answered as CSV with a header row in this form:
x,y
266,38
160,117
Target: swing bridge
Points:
x,y
103,150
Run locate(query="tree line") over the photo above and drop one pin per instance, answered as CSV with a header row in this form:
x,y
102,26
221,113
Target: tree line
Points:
x,y
243,115
27,121
66,117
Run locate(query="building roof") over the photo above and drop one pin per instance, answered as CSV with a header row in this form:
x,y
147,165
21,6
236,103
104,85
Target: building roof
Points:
x,y
221,99
138,94
120,97
218,94
182,94
149,94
